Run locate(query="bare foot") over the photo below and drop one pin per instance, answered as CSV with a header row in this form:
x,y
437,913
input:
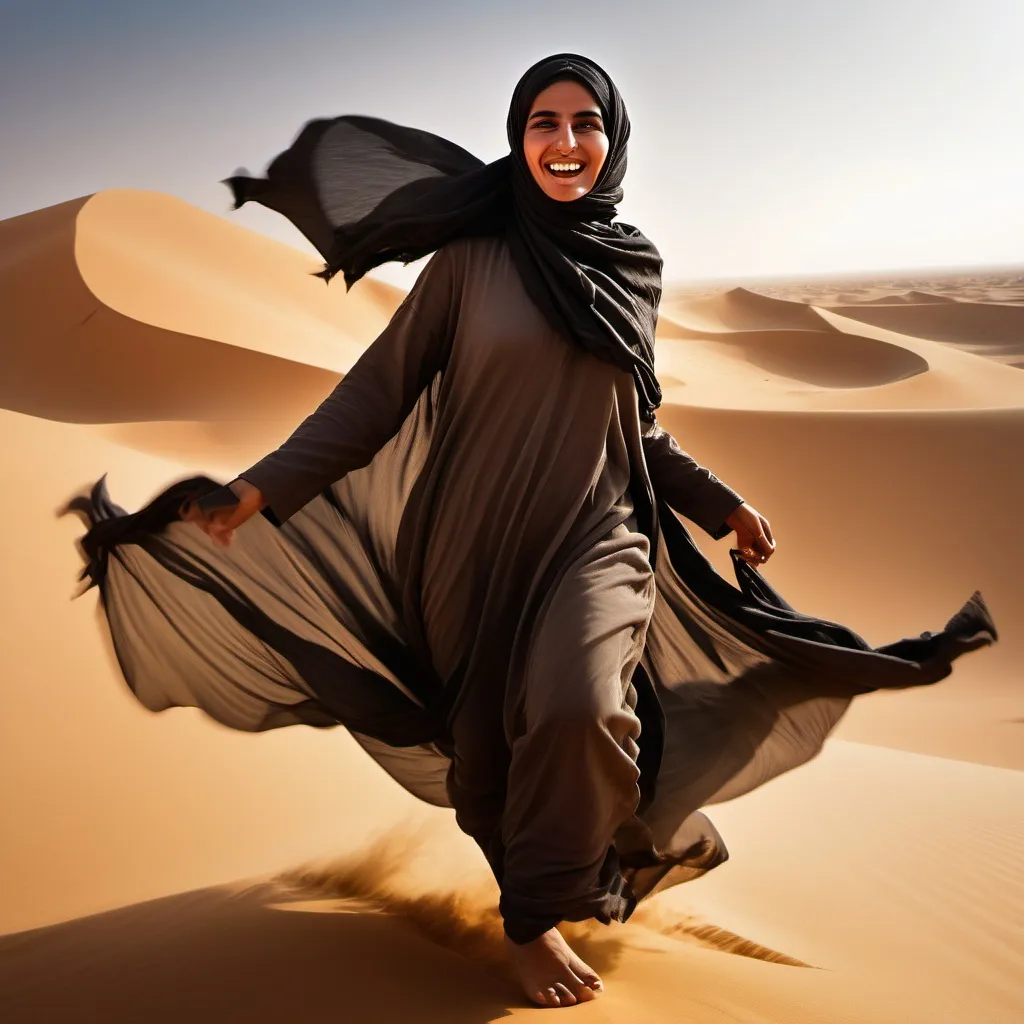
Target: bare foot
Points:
x,y
551,973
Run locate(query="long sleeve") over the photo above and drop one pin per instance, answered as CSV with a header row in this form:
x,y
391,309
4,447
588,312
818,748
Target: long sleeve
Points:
x,y
687,487
367,408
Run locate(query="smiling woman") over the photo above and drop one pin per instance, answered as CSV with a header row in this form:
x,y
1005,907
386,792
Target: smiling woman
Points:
x,y
469,554
565,151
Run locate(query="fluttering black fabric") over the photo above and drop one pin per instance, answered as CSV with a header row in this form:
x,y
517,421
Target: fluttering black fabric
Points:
x,y
366,191
318,618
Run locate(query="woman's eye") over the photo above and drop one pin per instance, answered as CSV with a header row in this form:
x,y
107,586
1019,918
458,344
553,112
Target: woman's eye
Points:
x,y
582,124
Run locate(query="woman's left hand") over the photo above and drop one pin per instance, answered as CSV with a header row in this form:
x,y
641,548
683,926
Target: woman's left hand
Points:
x,y
753,534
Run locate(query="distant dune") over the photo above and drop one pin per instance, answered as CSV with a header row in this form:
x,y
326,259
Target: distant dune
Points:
x,y
913,297
157,858
790,342
741,310
988,329
786,355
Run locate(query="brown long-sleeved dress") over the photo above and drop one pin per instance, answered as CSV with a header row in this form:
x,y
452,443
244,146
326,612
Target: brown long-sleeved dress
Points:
x,y
469,559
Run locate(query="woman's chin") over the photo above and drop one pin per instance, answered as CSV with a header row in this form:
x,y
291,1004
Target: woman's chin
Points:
x,y
565,194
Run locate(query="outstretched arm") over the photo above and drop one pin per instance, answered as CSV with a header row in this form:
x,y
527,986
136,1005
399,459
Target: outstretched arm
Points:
x,y
369,405
687,487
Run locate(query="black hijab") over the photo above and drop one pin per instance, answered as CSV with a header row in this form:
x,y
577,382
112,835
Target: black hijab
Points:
x,y
366,191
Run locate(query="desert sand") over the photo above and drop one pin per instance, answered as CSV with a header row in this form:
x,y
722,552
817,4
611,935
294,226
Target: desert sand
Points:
x,y
161,868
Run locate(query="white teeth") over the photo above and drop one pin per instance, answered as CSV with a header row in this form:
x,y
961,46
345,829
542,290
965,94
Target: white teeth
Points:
x,y
566,167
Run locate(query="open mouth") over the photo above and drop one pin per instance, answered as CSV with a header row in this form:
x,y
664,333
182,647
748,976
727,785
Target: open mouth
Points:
x,y
565,169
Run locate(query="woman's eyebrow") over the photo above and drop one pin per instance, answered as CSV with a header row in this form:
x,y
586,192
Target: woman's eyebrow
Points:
x,y
552,113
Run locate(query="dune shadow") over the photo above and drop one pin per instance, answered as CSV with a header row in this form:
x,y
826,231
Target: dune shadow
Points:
x,y
826,360
993,330
107,368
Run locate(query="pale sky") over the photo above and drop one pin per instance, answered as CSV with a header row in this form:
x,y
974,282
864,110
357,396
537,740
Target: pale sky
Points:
x,y
770,137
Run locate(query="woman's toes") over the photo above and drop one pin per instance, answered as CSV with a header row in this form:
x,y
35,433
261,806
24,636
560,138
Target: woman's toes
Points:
x,y
583,989
545,997
587,975
565,997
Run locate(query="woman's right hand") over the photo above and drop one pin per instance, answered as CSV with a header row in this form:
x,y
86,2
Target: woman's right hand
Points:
x,y
220,524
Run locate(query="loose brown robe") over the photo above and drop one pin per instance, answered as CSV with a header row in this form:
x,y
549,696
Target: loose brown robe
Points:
x,y
469,559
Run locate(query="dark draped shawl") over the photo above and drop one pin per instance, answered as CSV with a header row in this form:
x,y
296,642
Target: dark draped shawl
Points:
x,y
366,191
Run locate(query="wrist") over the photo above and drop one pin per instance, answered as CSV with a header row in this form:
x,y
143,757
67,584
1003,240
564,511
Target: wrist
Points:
x,y
733,513
249,495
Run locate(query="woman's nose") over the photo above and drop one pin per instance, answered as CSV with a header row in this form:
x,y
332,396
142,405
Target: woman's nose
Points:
x,y
565,141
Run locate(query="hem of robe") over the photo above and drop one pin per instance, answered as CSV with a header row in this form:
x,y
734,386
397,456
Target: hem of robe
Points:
x,y
634,869
527,918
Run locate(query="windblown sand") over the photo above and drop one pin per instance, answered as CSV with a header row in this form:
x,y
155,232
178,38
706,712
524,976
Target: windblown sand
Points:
x,y
160,868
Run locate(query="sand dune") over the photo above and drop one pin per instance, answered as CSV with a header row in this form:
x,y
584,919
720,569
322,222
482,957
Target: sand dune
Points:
x,y
149,340
121,315
989,329
911,296
787,344
739,350
791,361
741,310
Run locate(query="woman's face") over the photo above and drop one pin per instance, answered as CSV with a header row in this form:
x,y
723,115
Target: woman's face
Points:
x,y
565,128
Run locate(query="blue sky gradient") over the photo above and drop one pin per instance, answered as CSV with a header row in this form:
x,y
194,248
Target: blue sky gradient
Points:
x,y
769,137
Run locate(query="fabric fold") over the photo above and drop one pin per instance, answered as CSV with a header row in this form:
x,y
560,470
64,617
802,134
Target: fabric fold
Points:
x,y
405,599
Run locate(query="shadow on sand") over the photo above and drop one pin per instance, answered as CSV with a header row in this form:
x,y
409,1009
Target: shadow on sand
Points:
x,y
215,956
